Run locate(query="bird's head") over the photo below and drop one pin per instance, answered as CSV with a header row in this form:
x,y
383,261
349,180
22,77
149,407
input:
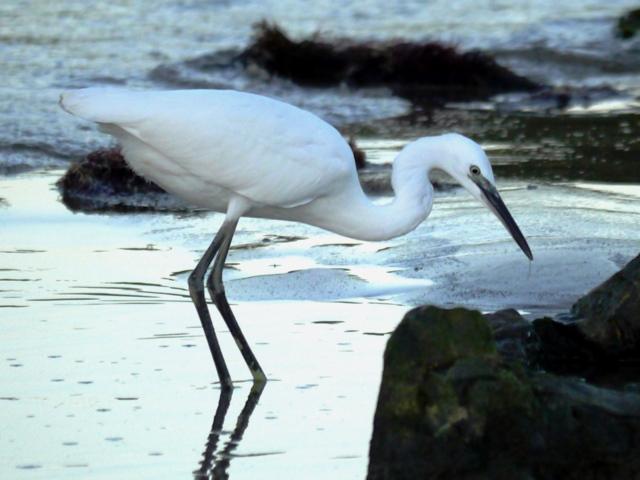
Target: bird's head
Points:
x,y
467,163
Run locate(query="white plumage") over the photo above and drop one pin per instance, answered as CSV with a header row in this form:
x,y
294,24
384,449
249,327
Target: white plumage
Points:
x,y
245,154
240,138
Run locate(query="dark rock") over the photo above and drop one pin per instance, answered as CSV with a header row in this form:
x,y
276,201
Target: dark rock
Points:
x,y
102,181
628,24
510,332
451,407
602,334
562,348
414,70
609,315
107,167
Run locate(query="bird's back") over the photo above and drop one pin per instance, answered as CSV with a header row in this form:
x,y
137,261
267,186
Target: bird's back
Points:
x,y
271,152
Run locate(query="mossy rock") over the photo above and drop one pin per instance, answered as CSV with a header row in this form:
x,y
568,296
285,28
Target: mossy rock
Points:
x,y
443,390
435,338
451,407
429,339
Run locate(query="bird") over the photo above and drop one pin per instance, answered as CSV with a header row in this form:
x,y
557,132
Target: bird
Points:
x,y
243,154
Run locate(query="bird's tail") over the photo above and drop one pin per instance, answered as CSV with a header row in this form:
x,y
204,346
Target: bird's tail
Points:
x,y
103,105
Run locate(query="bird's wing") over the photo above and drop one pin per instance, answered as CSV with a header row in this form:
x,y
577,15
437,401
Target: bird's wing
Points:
x,y
268,151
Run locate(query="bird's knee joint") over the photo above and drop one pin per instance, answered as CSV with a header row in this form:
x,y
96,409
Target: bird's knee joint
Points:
x,y
259,376
215,285
195,283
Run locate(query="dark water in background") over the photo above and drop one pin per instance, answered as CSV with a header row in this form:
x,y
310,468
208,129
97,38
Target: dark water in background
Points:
x,y
49,46
104,372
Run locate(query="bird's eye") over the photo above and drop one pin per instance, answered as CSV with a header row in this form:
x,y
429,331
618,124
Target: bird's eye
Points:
x,y
474,169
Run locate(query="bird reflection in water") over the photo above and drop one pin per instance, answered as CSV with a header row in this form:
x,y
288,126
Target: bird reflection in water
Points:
x,y
215,461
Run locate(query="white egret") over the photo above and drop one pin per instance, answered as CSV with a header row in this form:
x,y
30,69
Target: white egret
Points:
x,y
244,154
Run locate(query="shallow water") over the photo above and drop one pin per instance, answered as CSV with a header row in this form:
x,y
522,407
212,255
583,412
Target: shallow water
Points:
x,y
105,371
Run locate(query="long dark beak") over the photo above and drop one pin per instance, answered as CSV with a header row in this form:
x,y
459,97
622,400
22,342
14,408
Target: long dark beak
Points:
x,y
492,199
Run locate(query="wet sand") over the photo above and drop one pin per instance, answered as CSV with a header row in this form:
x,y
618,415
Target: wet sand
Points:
x,y
105,373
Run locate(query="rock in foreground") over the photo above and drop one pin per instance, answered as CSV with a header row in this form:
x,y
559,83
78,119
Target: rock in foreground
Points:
x,y
451,407
610,314
604,332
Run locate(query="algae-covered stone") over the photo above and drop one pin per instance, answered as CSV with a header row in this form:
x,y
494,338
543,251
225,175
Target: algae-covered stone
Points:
x,y
451,407
434,338
427,339
442,396
610,314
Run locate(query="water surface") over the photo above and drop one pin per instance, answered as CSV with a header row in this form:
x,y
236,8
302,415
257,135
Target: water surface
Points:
x,y
104,371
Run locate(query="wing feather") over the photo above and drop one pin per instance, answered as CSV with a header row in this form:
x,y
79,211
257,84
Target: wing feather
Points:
x,y
271,152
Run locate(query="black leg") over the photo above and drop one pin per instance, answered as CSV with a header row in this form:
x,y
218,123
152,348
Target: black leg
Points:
x,y
196,290
216,290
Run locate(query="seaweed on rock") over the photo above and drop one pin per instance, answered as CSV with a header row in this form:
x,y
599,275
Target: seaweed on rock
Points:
x,y
412,70
102,181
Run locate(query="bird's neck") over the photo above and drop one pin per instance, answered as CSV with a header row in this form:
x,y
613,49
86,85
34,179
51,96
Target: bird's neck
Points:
x,y
357,216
